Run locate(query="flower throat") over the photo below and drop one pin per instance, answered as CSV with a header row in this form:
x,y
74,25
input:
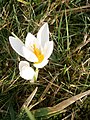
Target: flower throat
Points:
x,y
38,53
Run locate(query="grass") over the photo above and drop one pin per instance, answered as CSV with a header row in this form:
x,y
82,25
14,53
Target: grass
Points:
x,y
68,71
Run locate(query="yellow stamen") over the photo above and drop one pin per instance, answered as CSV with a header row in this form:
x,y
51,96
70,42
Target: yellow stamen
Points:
x,y
38,53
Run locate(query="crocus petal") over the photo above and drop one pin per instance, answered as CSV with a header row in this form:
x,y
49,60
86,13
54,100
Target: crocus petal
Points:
x,y
30,40
48,49
26,71
23,63
29,55
17,45
43,34
42,64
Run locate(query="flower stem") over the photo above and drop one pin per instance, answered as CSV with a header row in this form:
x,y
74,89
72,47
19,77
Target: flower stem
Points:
x,y
36,74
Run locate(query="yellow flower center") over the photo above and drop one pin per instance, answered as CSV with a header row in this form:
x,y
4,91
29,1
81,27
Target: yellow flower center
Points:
x,y
38,53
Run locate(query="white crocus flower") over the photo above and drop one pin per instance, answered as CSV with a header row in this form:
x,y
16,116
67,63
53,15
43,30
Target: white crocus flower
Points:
x,y
26,71
36,50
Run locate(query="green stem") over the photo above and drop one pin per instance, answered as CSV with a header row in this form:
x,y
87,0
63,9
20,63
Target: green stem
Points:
x,y
36,75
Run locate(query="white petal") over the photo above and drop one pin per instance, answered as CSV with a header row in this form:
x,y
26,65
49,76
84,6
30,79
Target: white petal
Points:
x,y
23,63
42,64
48,49
30,39
17,45
29,55
43,34
26,72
